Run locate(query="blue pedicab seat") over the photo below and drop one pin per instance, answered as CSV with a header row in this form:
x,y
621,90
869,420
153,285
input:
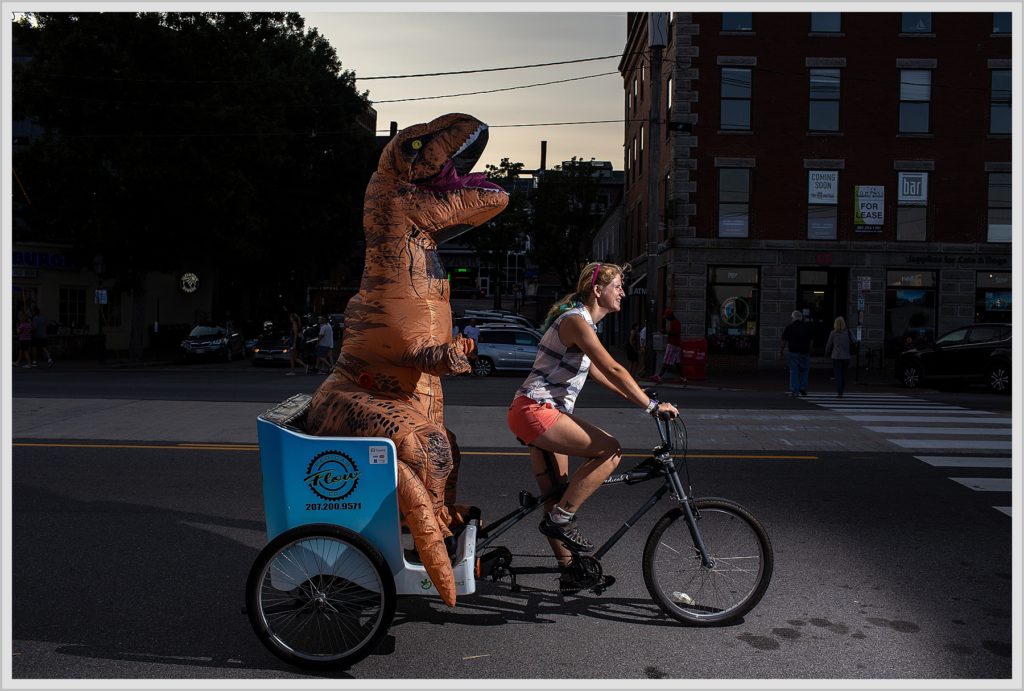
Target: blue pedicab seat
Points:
x,y
345,481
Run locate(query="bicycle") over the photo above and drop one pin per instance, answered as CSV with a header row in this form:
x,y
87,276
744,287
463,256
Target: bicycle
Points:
x,y
322,595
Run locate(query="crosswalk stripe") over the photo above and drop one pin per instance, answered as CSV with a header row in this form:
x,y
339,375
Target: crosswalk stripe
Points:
x,y
985,484
924,418
941,430
967,461
973,444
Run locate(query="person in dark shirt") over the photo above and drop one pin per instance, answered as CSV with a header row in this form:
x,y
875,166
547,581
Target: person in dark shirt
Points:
x,y
797,337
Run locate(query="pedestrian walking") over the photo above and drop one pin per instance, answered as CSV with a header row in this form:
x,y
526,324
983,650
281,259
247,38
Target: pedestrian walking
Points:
x,y
840,346
295,344
673,348
633,349
324,346
471,330
797,337
24,330
39,342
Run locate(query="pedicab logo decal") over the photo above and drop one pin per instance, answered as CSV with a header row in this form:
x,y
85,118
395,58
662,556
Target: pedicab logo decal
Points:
x,y
332,475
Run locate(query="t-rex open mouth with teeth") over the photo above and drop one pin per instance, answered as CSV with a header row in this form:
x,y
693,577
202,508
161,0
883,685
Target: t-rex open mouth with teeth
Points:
x,y
386,382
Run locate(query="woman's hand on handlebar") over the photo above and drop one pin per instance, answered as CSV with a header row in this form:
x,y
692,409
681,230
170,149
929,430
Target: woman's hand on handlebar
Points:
x,y
666,411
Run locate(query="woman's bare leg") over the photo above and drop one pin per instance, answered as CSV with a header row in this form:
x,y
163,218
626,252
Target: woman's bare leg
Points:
x,y
573,436
544,484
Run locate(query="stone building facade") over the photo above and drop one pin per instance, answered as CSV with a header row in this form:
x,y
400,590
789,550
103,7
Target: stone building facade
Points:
x,y
842,164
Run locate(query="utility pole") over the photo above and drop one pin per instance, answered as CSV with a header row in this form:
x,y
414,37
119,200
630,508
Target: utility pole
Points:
x,y
657,35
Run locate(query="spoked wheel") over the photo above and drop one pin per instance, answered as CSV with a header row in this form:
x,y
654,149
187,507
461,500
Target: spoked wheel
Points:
x,y
320,596
483,367
693,593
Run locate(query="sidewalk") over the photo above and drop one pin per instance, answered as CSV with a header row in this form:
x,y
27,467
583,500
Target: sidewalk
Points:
x,y
777,379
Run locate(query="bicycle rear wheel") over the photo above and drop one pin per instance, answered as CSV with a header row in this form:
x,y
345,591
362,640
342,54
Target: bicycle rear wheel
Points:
x,y
320,596
695,594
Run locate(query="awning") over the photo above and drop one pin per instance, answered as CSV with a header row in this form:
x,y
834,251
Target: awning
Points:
x,y
636,289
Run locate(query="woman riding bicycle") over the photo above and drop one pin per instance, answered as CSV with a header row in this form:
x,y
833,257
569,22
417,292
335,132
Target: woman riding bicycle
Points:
x,y
541,415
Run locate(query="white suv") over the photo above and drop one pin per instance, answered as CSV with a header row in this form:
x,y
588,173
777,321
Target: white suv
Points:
x,y
505,347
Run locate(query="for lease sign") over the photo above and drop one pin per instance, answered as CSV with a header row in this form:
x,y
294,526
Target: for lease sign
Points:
x,y
869,207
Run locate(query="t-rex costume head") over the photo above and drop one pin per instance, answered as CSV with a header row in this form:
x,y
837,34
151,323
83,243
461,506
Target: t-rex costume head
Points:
x,y
398,340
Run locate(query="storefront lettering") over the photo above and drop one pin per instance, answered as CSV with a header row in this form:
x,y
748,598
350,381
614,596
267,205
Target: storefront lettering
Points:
x,y
43,260
958,259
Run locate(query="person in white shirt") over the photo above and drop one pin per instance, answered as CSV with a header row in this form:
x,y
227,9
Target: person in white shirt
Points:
x,y
324,346
472,331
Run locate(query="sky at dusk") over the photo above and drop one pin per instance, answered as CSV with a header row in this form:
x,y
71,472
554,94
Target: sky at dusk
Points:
x,y
402,43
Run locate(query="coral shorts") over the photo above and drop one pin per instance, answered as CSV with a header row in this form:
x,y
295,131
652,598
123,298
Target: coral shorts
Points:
x,y
529,419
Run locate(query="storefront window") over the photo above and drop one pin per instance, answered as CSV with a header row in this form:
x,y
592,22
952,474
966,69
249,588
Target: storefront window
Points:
x,y
993,297
72,307
909,310
732,309
821,296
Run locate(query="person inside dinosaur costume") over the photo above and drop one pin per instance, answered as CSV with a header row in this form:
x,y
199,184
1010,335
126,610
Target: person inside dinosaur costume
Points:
x,y
398,328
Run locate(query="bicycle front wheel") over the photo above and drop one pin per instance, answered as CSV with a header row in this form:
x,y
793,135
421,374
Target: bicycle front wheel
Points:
x,y
320,596
693,593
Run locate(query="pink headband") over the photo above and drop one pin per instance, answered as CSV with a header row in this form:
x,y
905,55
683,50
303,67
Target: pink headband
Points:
x,y
593,281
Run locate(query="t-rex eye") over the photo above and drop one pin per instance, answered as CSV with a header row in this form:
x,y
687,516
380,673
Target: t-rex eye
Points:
x,y
417,144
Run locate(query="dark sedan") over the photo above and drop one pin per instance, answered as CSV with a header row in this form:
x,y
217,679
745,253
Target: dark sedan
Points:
x,y
211,341
975,354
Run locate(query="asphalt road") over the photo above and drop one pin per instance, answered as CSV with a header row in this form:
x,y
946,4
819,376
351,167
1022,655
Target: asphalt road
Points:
x,y
130,552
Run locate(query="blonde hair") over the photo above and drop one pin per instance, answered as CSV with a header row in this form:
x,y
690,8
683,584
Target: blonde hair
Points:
x,y
839,324
593,274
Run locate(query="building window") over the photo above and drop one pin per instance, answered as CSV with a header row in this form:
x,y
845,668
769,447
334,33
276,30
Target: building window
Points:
x,y
915,101
993,297
736,88
636,94
1001,22
732,316
733,202
71,310
1000,207
912,207
823,113
916,23
1000,110
666,195
633,169
643,78
668,107
909,310
822,204
826,22
737,21
640,157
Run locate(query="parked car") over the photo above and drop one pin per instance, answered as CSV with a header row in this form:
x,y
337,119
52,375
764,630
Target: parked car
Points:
x,y
483,316
505,347
975,354
213,341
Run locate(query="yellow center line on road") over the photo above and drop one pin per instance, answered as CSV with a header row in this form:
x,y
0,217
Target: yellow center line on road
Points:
x,y
195,446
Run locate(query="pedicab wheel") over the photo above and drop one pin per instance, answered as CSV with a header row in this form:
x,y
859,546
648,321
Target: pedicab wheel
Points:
x,y
320,596
693,593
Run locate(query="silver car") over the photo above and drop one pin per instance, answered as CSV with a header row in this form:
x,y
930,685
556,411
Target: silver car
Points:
x,y
505,348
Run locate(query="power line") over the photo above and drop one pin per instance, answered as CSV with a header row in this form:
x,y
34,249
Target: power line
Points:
x,y
488,69
493,91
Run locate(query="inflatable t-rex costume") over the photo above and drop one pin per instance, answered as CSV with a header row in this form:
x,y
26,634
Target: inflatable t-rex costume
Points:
x,y
398,328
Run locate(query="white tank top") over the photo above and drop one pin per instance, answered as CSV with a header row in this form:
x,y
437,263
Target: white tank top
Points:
x,y
558,372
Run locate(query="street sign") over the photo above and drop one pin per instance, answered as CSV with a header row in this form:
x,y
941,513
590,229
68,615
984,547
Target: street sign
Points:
x,y
860,303
864,284
101,297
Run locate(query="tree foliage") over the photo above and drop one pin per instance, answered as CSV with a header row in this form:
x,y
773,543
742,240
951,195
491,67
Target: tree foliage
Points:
x,y
229,139
564,223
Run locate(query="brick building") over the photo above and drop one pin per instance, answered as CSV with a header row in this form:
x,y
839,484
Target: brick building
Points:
x,y
843,164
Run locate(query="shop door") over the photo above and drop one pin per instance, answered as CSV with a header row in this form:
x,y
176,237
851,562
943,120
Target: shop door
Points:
x,y
821,296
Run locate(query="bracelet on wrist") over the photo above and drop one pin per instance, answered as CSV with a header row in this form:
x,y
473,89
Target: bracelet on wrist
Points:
x,y
652,406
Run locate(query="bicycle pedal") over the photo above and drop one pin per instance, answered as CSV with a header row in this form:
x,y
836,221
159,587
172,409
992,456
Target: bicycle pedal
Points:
x,y
526,499
606,583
